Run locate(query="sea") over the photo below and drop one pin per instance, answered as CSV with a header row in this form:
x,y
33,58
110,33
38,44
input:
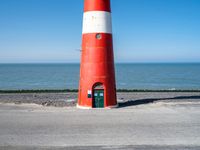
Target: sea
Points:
x,y
138,76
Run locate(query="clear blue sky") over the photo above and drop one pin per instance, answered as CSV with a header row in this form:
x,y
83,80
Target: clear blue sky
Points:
x,y
144,30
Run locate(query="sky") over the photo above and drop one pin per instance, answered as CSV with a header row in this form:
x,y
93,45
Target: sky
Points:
x,y
49,31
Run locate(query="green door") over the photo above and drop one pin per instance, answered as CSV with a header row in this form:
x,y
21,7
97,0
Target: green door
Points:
x,y
98,98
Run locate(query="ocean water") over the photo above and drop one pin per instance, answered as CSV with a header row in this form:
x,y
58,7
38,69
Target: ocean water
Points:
x,y
128,76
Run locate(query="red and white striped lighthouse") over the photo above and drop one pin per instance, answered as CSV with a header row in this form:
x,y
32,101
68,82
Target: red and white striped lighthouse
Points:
x,y
97,88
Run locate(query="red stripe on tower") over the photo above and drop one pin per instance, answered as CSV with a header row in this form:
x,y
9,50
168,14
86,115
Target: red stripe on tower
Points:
x,y
97,87
97,5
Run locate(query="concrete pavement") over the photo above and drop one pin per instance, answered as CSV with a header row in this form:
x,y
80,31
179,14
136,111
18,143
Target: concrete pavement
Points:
x,y
161,125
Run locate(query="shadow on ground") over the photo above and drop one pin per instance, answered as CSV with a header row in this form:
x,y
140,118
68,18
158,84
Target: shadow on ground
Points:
x,y
152,100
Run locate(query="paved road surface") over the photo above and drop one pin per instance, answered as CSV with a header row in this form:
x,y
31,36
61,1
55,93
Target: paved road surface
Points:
x,y
157,126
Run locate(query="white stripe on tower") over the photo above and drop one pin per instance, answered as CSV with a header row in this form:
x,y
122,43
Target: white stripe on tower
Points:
x,y
97,22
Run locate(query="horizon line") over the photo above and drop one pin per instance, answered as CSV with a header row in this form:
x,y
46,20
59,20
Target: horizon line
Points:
x,y
115,62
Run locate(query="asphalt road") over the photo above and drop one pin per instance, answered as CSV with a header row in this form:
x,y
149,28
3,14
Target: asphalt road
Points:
x,y
157,126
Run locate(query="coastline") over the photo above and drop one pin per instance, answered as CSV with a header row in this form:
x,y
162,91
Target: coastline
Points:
x,y
76,90
69,99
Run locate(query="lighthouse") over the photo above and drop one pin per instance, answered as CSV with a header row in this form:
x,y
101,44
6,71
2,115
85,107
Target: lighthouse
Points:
x,y
97,85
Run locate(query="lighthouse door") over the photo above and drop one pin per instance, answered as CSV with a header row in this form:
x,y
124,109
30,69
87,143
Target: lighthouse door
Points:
x,y
98,98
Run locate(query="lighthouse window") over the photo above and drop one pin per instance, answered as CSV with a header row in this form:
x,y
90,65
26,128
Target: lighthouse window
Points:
x,y
98,36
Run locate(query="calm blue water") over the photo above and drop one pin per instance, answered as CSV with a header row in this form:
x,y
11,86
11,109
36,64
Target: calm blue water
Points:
x,y
129,76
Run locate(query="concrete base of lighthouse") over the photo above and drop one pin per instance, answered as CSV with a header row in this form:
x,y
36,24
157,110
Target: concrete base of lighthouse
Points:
x,y
108,107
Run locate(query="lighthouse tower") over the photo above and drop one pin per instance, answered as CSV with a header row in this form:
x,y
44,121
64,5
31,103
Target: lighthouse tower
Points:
x,y
97,88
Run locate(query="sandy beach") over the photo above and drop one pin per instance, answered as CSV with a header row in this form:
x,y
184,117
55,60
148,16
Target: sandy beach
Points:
x,y
144,121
